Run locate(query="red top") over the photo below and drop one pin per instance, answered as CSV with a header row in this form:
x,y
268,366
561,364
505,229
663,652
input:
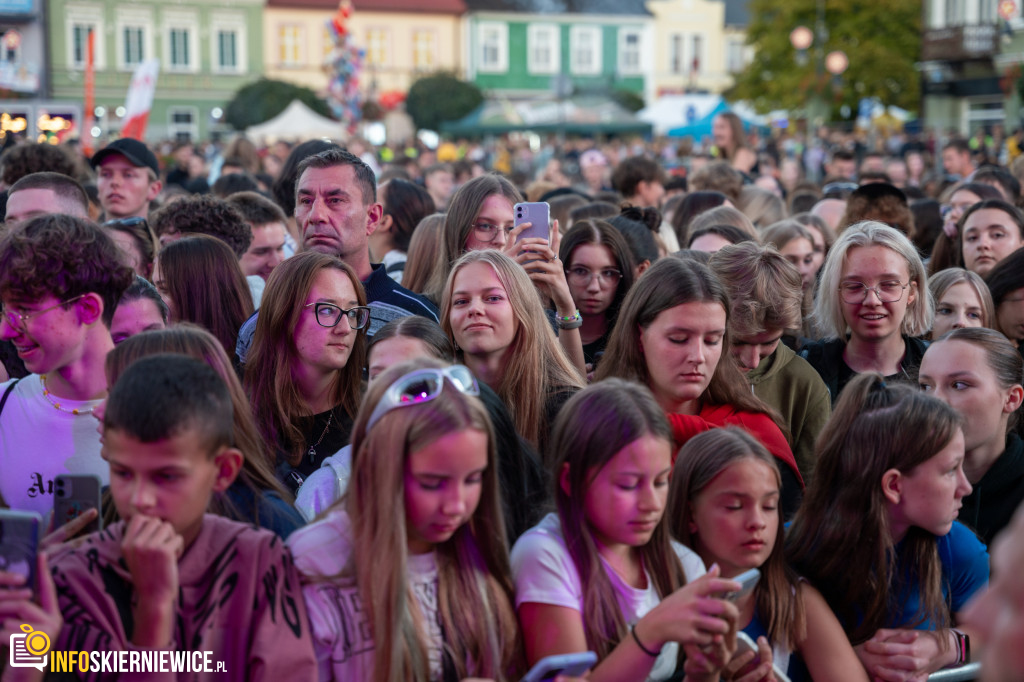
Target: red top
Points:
x,y
758,424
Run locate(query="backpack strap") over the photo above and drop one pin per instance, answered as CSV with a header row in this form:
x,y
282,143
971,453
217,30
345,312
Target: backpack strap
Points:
x,y
10,387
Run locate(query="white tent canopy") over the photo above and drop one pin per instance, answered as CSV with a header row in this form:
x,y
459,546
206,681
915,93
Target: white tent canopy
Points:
x,y
675,111
296,122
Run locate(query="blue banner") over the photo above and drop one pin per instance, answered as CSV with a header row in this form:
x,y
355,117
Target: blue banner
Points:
x,y
17,6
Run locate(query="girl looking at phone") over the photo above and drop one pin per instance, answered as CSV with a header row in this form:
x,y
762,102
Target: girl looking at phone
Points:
x,y
407,576
877,533
979,374
601,574
671,334
724,503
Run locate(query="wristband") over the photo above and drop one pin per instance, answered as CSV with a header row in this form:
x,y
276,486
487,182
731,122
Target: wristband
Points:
x,y
570,321
963,646
652,654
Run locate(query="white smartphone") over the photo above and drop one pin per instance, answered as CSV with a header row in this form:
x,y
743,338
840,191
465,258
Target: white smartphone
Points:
x,y
538,214
550,667
748,581
744,644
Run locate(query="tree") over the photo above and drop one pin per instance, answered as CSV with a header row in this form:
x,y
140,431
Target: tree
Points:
x,y
441,97
881,38
265,99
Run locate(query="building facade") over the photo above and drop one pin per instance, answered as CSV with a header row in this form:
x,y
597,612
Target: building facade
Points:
x,y
528,49
699,45
206,52
966,50
401,39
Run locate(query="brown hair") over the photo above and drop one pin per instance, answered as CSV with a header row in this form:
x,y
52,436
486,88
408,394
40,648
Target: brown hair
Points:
x,y
700,460
276,402
840,537
257,473
202,277
64,257
666,284
764,287
593,426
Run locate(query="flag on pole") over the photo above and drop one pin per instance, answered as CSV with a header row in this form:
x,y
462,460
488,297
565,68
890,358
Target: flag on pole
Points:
x,y
140,99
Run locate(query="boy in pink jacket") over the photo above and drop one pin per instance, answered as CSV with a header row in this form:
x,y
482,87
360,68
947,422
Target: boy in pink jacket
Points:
x,y
169,576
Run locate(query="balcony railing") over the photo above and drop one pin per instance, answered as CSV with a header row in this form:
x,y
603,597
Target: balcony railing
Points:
x,y
958,43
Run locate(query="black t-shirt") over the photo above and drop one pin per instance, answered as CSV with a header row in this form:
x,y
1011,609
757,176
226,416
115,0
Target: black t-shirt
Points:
x,y
323,435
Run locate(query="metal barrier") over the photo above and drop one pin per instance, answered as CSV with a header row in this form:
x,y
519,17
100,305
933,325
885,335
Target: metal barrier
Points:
x,y
961,674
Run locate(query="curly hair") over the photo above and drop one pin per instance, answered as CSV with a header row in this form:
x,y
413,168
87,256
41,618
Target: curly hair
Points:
x,y
62,256
204,215
25,159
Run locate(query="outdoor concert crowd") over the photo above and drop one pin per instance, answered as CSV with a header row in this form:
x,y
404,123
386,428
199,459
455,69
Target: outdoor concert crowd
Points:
x,y
401,413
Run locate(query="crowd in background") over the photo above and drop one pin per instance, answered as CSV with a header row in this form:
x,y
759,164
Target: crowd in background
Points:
x,y
483,446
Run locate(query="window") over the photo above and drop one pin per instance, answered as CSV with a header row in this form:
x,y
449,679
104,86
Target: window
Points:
x,y
734,59
227,50
290,40
697,53
424,50
78,22
493,41
134,52
178,41
955,12
629,51
378,46
585,50
675,54
182,125
80,42
987,11
542,49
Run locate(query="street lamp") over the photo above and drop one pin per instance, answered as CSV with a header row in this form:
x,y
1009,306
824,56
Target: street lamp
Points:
x,y
836,62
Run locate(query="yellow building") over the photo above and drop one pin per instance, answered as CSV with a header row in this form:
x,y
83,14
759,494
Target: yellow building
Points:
x,y
698,44
402,39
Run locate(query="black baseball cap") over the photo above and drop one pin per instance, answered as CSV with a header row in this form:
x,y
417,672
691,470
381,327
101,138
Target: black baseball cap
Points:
x,y
131,149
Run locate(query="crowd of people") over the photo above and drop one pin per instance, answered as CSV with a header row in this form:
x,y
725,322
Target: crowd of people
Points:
x,y
351,424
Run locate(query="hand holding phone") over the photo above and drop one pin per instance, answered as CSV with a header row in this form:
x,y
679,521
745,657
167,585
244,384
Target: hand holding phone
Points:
x,y
550,667
19,545
74,495
538,215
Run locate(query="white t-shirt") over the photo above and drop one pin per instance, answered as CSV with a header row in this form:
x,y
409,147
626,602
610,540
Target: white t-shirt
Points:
x,y
544,573
339,623
38,441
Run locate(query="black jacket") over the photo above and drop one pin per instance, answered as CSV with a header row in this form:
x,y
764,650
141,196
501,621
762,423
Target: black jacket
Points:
x,y
826,357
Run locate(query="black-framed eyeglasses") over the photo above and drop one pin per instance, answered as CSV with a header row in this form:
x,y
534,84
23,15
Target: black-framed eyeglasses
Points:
x,y
487,232
20,320
329,315
581,277
888,291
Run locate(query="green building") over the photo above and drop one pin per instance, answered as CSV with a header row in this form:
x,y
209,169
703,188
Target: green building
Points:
x,y
206,51
528,48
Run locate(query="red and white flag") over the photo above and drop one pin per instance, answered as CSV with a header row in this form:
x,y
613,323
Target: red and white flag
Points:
x,y
140,99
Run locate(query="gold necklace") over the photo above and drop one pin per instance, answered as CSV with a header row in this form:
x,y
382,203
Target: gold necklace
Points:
x,y
312,448
46,394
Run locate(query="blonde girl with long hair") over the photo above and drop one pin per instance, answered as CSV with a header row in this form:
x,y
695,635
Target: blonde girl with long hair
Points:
x,y
491,311
724,503
601,574
407,575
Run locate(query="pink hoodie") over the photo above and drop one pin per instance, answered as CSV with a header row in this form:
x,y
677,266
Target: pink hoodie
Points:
x,y
239,597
